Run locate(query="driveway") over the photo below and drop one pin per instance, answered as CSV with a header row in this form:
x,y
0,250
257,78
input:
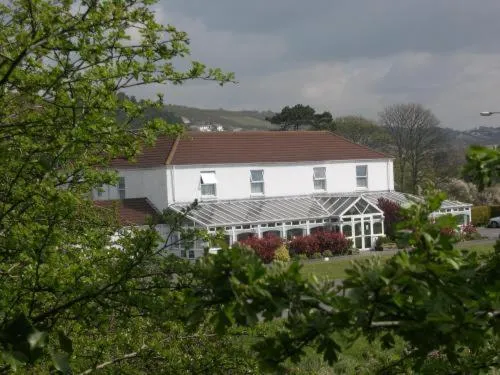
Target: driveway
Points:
x,y
491,233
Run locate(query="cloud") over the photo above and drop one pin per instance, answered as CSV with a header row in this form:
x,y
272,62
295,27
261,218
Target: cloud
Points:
x,y
346,56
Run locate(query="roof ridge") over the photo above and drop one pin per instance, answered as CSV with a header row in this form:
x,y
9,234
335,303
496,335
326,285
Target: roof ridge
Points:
x,y
171,154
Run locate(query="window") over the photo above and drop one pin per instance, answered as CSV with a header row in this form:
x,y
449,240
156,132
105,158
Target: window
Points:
x,y
100,191
257,181
362,176
208,184
121,187
319,177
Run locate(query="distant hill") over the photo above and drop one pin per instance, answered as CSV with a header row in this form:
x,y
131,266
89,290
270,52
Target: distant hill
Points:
x,y
231,120
255,120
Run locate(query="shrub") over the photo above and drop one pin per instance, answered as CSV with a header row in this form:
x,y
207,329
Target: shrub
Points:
x,y
469,232
281,254
300,257
480,215
320,242
264,247
494,211
353,251
304,245
379,244
392,215
327,253
316,256
334,242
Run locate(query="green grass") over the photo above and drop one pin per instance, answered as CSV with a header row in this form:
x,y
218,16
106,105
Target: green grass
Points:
x,y
335,268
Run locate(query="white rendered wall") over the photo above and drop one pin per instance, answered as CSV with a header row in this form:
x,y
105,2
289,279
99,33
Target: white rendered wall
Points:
x,y
233,181
140,183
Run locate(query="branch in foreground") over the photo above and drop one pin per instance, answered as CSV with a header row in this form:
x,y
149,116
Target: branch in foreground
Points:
x,y
113,361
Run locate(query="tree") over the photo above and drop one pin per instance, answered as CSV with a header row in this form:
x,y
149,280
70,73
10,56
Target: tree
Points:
x,y
302,116
62,67
416,136
363,131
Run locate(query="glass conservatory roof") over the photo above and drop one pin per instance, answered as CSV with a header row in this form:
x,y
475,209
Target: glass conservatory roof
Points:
x,y
404,199
254,211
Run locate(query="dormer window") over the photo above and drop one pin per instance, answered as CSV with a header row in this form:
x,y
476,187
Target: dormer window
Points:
x,y
319,178
208,184
362,176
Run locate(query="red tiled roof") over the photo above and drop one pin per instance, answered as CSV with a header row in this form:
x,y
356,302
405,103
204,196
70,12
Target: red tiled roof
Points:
x,y
150,156
251,147
132,211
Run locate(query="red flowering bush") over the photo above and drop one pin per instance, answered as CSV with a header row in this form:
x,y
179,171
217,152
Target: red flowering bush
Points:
x,y
319,242
264,247
334,242
469,232
392,215
303,245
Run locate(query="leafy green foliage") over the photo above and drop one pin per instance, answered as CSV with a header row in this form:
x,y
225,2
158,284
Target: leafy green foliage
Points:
x,y
281,254
480,215
483,166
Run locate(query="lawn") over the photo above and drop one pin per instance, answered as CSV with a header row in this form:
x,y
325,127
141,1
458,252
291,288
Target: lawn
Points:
x,y
335,268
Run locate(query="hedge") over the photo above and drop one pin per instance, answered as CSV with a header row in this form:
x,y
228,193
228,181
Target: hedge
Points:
x,y
481,215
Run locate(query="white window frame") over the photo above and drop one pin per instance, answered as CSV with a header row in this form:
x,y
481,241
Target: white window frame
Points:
x,y
257,182
362,177
121,187
319,177
210,180
101,191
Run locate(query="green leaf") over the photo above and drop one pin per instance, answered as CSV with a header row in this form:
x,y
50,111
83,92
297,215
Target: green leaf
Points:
x,y
65,342
37,339
61,362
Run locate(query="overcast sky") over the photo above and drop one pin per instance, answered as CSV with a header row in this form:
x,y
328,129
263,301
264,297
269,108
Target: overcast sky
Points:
x,y
345,56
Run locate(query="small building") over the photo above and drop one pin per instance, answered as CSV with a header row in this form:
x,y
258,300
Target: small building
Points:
x,y
253,183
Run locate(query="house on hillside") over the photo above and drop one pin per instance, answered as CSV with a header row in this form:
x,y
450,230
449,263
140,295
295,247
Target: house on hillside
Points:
x,y
253,183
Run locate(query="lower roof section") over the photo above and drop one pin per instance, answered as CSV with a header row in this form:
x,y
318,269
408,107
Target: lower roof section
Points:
x,y
251,211
404,199
130,211
306,207
264,210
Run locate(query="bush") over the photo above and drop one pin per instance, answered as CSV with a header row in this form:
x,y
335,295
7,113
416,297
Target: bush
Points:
x,y
281,254
327,253
334,242
319,242
317,256
392,215
264,247
469,232
379,244
480,215
304,245
353,251
494,211
300,257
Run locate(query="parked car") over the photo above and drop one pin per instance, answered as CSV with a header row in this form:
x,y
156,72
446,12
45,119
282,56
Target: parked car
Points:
x,y
494,222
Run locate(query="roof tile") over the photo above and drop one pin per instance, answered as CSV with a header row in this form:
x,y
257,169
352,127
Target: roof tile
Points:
x,y
132,211
251,147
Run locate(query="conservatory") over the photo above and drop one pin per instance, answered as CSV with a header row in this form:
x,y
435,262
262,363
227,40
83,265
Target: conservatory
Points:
x,y
359,219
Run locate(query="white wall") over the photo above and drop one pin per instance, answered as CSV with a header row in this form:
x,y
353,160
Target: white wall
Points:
x,y
233,181
140,183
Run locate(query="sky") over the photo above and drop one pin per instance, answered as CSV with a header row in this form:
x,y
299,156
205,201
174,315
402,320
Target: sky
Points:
x,y
349,57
